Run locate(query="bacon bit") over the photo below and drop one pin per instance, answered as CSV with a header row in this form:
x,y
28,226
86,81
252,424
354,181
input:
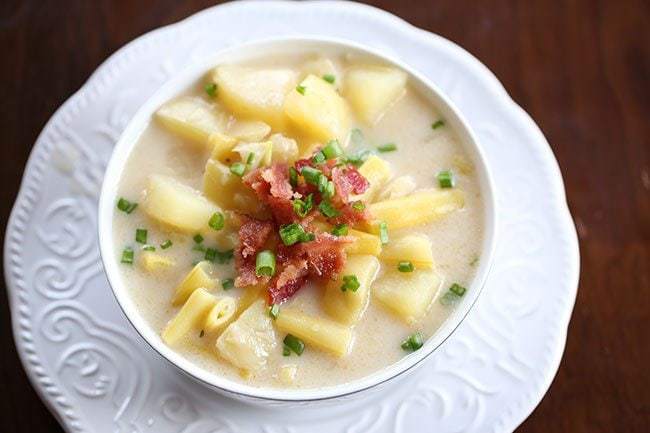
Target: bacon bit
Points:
x,y
253,234
351,216
273,188
288,282
325,255
348,181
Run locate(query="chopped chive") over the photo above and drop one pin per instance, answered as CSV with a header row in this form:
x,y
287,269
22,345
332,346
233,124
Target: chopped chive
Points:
x,y
199,247
351,283
413,342
238,169
217,221
340,230
405,266
303,207
322,183
168,243
457,289
301,89
127,255
318,158
274,311
265,263
330,190
308,237
141,236
388,147
358,158
311,175
126,206
148,248
293,177
330,78
228,283
211,89
294,343
223,257
446,179
291,233
250,158
326,208
332,149
356,137
383,232
210,254
358,205
438,124
286,351
198,238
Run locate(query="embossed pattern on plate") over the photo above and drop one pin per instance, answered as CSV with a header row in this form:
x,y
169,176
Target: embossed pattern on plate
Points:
x,y
95,373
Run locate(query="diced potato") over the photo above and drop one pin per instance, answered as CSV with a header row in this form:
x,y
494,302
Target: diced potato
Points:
x,y
398,187
288,373
247,342
221,145
251,294
221,314
226,189
347,307
249,130
285,149
371,90
191,118
255,93
322,333
321,67
413,248
365,243
377,171
261,153
320,111
201,276
407,295
177,206
153,262
421,207
190,316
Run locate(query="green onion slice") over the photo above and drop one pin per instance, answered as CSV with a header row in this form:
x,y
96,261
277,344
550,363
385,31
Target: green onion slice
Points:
x,y
383,233
438,124
388,147
457,289
340,230
210,254
294,343
265,263
446,179
127,256
303,207
332,149
211,89
312,175
318,158
228,284
358,205
217,221
198,238
285,350
238,169
301,89
413,342
350,282
168,243
326,208
293,177
405,266
330,78
274,311
141,236
148,248
126,206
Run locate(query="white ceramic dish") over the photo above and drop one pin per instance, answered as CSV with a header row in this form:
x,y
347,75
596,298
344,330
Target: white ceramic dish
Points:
x,y
90,367
264,49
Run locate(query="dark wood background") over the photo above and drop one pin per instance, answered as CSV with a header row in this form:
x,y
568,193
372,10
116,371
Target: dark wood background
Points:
x,y
580,68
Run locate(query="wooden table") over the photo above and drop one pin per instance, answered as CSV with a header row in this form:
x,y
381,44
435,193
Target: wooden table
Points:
x,y
580,68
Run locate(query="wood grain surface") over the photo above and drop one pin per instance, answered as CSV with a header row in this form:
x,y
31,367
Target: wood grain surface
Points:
x,y
580,68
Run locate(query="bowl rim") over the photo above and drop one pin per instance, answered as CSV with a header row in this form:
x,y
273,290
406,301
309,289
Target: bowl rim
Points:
x,y
186,78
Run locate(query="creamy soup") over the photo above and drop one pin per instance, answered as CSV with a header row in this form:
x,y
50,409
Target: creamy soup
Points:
x,y
298,222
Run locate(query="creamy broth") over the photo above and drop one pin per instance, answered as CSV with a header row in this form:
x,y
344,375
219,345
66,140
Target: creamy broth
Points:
x,y
422,152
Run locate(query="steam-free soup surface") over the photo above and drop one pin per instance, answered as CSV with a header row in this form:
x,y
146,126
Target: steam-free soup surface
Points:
x,y
395,125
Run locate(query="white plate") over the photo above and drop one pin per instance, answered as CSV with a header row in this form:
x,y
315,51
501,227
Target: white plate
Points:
x,y
97,375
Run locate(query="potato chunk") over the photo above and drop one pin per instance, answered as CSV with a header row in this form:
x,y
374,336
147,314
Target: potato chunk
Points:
x,y
247,342
348,307
177,205
365,243
371,90
407,295
319,111
255,93
261,153
377,171
413,248
249,130
322,333
191,118
398,187
421,207
227,190
324,68
199,276
285,149
153,262
190,316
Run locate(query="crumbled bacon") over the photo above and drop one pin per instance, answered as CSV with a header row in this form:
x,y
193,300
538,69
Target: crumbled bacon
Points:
x,y
288,281
273,188
348,180
351,216
253,234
